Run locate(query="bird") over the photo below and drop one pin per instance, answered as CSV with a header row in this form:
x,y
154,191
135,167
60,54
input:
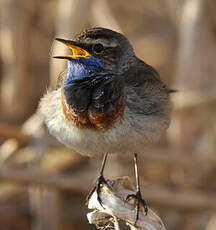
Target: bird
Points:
x,y
108,102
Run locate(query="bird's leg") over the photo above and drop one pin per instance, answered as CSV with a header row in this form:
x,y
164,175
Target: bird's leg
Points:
x,y
138,195
100,181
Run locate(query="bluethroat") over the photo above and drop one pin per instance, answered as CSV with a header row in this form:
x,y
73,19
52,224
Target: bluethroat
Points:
x,y
109,101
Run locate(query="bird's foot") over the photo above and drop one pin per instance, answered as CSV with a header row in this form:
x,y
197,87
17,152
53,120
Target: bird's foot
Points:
x,y
139,200
100,181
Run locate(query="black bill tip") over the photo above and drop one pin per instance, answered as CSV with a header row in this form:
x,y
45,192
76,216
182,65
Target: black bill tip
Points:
x,y
61,57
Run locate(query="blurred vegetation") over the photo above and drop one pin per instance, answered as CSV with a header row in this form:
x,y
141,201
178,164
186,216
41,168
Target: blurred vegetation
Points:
x,y
42,184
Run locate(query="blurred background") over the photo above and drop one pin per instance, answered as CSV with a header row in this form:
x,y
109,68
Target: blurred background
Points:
x,y
42,184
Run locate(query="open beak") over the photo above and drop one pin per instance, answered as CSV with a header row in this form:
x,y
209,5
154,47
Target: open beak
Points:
x,y
77,51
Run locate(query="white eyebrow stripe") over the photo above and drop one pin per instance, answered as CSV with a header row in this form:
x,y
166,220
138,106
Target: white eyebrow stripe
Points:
x,y
106,43
113,44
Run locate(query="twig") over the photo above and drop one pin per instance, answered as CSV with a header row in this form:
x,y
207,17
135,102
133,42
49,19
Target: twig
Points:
x,y
30,128
45,179
102,15
116,208
10,131
69,21
193,98
116,224
192,200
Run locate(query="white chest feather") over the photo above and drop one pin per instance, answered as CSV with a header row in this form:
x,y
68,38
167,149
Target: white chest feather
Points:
x,y
126,136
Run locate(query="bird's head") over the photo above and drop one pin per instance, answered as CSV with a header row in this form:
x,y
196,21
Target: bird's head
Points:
x,y
100,49
94,86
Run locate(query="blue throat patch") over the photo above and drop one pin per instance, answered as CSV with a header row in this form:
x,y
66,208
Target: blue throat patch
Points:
x,y
94,96
85,78
83,68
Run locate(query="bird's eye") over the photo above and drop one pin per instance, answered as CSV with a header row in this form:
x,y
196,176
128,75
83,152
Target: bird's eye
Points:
x,y
98,48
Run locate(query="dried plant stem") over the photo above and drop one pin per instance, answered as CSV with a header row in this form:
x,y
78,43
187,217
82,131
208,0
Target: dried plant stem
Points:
x,y
114,207
116,224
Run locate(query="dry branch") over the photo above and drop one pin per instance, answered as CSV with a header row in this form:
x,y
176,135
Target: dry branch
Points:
x,y
192,200
193,98
116,208
69,21
102,15
10,131
44,179
31,127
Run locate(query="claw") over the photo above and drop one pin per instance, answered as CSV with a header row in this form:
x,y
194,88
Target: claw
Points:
x,y
144,206
100,181
139,199
130,196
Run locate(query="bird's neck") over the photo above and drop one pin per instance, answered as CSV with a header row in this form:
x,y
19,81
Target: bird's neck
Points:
x,y
83,76
82,68
91,97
